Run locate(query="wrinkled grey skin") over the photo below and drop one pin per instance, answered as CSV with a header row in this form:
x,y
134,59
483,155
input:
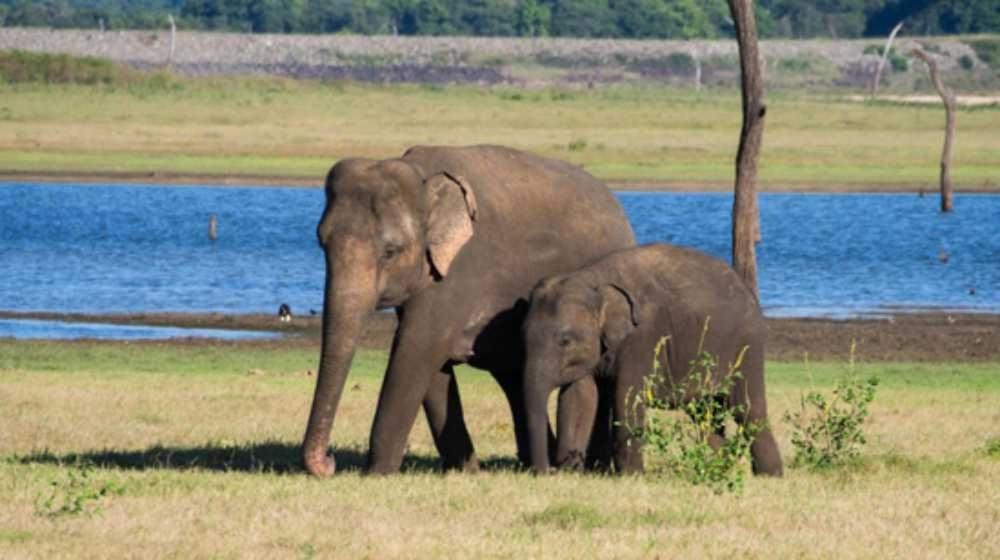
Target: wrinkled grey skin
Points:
x,y
593,334
453,239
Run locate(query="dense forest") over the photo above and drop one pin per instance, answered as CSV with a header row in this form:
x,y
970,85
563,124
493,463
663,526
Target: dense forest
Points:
x,y
640,19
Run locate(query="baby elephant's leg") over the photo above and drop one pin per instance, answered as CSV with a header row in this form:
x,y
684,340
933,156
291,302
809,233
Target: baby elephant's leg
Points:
x,y
574,422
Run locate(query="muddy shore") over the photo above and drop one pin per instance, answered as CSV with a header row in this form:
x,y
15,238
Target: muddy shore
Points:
x,y
919,337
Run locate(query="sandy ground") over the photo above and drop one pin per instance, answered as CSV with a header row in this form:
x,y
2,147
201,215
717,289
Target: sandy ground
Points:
x,y
922,337
964,100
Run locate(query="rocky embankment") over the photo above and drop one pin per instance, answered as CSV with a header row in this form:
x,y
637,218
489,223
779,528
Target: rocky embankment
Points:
x,y
542,62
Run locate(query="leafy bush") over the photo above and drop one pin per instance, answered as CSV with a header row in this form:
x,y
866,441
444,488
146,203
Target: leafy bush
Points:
x,y
992,448
966,62
896,61
685,445
28,67
987,50
827,430
680,63
22,66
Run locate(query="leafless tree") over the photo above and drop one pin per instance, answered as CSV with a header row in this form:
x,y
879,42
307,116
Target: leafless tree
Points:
x,y
173,39
948,98
746,216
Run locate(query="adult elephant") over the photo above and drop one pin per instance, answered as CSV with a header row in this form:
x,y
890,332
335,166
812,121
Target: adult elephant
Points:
x,y
453,238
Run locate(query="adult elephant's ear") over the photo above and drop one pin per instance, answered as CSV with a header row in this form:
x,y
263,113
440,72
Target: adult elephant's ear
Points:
x,y
451,211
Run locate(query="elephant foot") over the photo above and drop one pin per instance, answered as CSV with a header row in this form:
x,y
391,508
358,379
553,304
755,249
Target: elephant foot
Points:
x,y
319,464
469,464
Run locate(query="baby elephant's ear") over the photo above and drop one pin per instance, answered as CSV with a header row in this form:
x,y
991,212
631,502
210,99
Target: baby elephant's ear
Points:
x,y
451,210
619,314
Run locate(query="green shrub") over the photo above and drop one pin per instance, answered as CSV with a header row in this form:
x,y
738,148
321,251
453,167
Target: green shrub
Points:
x,y
987,50
680,63
577,145
568,516
795,64
827,430
992,448
78,493
966,62
896,61
684,445
22,66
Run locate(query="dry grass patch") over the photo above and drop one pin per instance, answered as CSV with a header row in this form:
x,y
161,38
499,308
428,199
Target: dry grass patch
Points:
x,y
201,460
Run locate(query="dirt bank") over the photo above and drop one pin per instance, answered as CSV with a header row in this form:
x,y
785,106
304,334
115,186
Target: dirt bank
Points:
x,y
921,337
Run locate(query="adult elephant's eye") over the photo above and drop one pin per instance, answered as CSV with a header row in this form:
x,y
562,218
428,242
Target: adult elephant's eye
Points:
x,y
565,340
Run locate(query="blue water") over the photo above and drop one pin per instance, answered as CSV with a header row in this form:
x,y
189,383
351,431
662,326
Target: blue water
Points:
x,y
119,249
61,330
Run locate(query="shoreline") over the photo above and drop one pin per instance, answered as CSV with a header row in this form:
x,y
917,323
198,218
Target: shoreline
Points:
x,y
293,181
929,336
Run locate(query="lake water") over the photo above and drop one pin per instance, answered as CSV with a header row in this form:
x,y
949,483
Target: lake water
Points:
x,y
145,248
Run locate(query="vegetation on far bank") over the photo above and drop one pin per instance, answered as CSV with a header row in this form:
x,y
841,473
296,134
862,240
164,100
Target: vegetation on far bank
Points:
x,y
673,19
120,121
153,449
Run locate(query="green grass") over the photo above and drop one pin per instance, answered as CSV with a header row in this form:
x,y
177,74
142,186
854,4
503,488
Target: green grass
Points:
x,y
194,453
283,128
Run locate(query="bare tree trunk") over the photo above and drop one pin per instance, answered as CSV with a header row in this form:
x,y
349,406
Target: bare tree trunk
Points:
x,y
697,72
746,219
948,98
885,55
173,39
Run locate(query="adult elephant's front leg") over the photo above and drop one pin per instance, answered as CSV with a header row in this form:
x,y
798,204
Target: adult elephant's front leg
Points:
x,y
415,360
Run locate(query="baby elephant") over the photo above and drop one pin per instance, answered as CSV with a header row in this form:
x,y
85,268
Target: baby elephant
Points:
x,y
593,333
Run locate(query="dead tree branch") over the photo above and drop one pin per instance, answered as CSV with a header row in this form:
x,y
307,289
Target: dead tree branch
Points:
x,y
881,62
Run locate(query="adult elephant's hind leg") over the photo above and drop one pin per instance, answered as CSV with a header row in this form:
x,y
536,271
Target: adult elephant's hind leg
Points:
x,y
750,392
443,407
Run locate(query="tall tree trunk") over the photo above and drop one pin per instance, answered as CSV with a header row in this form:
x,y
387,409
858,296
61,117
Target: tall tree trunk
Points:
x,y
948,98
885,55
746,219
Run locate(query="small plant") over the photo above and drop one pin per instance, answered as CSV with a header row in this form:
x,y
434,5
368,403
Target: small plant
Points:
x,y
577,145
690,447
827,430
992,448
568,516
76,494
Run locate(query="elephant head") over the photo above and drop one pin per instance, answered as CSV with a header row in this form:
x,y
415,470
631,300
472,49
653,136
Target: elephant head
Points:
x,y
387,232
572,328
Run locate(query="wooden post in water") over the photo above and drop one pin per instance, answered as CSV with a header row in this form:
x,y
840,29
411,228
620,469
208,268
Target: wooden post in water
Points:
x,y
746,218
213,228
948,98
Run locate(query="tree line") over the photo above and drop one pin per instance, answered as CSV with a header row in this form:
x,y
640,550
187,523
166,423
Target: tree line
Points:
x,y
635,19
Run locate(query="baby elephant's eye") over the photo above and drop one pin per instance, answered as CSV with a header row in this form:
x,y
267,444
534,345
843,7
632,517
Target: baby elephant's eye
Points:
x,y
390,252
565,340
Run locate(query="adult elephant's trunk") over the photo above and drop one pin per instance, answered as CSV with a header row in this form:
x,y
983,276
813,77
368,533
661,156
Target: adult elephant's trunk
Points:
x,y
349,299
536,397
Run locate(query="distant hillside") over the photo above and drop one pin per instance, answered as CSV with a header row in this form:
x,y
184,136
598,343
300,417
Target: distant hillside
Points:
x,y
970,63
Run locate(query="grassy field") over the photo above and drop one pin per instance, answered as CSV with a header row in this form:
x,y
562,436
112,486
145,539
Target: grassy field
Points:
x,y
682,138
193,454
